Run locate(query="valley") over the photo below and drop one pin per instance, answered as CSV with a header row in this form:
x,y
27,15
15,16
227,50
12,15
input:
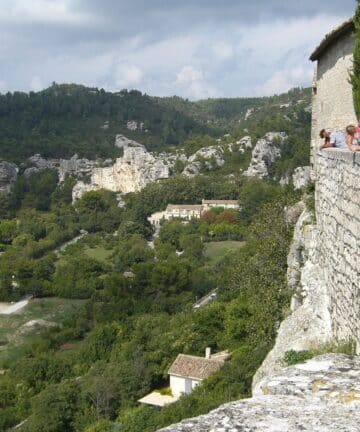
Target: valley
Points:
x,y
112,306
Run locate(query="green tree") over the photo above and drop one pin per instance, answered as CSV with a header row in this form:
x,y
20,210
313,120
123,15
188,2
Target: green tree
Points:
x,y
355,76
54,409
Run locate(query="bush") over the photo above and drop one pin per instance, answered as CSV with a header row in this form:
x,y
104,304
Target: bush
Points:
x,y
293,357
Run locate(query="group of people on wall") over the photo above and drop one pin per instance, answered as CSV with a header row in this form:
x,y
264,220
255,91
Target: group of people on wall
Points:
x,y
348,140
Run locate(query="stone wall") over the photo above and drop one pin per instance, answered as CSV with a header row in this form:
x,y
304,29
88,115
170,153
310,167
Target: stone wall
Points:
x,y
337,198
332,92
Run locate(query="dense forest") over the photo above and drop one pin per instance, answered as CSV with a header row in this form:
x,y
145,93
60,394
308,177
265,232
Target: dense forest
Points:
x,y
112,305
87,371
67,119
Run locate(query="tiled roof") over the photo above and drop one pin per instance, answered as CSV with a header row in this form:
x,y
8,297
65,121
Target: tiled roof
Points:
x,y
184,207
331,37
194,367
220,202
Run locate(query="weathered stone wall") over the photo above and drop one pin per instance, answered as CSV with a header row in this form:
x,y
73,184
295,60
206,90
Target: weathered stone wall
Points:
x,y
337,200
332,92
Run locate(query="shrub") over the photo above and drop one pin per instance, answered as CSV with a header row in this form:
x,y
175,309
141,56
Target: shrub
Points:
x,y
293,357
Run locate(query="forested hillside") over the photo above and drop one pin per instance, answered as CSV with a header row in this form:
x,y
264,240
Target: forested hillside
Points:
x,y
67,119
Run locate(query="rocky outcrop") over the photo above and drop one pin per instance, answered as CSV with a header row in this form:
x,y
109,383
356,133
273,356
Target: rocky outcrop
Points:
x,y
207,158
321,395
122,141
134,125
37,163
309,324
244,143
301,177
8,174
130,173
77,167
265,152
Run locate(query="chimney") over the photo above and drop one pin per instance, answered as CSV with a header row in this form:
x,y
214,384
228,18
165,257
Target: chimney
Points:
x,y
207,352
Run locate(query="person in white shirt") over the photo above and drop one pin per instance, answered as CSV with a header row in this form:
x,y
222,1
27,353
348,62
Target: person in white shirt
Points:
x,y
333,139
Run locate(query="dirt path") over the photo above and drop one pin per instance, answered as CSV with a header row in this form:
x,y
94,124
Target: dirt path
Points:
x,y
10,308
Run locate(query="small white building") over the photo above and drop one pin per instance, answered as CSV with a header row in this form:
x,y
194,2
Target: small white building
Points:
x,y
225,204
188,371
156,218
190,211
183,211
185,374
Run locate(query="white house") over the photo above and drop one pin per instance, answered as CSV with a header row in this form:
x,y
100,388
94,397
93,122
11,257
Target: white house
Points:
x,y
185,374
183,211
190,211
188,371
225,204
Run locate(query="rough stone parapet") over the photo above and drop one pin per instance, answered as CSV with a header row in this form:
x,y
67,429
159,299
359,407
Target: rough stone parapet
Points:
x,y
337,201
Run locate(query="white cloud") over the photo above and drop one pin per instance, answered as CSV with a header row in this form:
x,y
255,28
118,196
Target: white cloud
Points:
x,y
223,50
36,84
41,11
128,75
283,80
192,83
212,58
189,74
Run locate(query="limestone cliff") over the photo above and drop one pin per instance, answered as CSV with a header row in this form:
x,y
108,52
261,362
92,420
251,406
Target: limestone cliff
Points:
x,y
309,323
8,174
265,152
130,173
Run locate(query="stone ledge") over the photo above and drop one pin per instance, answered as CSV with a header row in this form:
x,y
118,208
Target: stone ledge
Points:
x,y
357,158
337,154
322,394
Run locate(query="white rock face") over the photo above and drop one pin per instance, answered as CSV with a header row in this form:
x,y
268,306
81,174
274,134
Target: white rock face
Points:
x,y
121,141
245,142
38,163
309,324
134,125
130,173
322,395
8,174
76,167
80,188
265,152
209,157
301,177
249,113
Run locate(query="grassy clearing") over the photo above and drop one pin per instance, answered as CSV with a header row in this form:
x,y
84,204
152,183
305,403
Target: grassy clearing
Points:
x,y
12,331
99,253
215,251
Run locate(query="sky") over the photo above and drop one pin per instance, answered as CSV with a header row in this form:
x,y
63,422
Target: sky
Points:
x,y
192,48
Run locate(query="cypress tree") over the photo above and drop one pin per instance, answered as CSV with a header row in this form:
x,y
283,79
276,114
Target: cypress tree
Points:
x,y
355,76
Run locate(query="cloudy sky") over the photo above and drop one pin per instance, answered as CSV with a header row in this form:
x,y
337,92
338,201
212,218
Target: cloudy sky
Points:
x,y
192,48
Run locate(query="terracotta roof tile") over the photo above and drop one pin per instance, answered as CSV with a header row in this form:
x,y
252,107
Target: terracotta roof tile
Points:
x,y
220,202
194,367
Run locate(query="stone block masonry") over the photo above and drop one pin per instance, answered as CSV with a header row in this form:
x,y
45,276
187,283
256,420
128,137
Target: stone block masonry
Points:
x,y
337,200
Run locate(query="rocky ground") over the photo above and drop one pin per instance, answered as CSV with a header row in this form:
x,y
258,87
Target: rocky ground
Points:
x,y
321,395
